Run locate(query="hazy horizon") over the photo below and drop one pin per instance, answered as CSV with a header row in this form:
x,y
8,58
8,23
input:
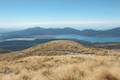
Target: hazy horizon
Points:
x,y
59,27
82,14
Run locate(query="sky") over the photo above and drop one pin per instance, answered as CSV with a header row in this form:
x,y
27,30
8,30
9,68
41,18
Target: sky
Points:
x,y
99,14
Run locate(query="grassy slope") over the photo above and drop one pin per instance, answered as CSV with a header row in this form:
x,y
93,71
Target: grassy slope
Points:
x,y
32,66
63,47
115,45
79,67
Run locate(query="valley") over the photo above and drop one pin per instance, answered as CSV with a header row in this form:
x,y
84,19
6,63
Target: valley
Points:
x,y
22,39
17,44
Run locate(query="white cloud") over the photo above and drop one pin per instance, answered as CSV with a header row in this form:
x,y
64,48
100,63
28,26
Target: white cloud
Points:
x,y
62,23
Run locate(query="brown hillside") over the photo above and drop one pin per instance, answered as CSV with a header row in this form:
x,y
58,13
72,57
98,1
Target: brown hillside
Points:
x,y
28,66
69,67
60,47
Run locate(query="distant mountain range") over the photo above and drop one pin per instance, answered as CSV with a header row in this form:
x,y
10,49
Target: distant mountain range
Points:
x,y
22,39
61,31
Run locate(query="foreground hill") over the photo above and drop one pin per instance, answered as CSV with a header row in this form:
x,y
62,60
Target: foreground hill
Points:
x,y
58,47
62,47
60,60
74,67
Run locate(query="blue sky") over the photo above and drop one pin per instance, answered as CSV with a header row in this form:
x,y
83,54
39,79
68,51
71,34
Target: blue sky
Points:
x,y
60,13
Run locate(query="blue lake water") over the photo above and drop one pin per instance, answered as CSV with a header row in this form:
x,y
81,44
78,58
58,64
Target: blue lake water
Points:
x,y
90,39
76,37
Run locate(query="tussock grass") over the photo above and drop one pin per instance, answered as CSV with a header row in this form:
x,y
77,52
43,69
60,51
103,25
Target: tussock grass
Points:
x,y
61,60
69,67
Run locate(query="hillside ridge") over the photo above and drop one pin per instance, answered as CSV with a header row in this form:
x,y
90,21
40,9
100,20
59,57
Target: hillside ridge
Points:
x,y
56,48
63,47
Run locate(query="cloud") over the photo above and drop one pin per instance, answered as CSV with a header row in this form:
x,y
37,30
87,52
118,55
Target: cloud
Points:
x,y
63,23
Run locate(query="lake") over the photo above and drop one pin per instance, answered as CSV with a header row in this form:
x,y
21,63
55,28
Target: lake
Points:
x,y
90,39
77,37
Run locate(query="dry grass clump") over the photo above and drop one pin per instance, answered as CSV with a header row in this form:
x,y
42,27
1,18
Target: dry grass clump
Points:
x,y
107,73
69,72
69,67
